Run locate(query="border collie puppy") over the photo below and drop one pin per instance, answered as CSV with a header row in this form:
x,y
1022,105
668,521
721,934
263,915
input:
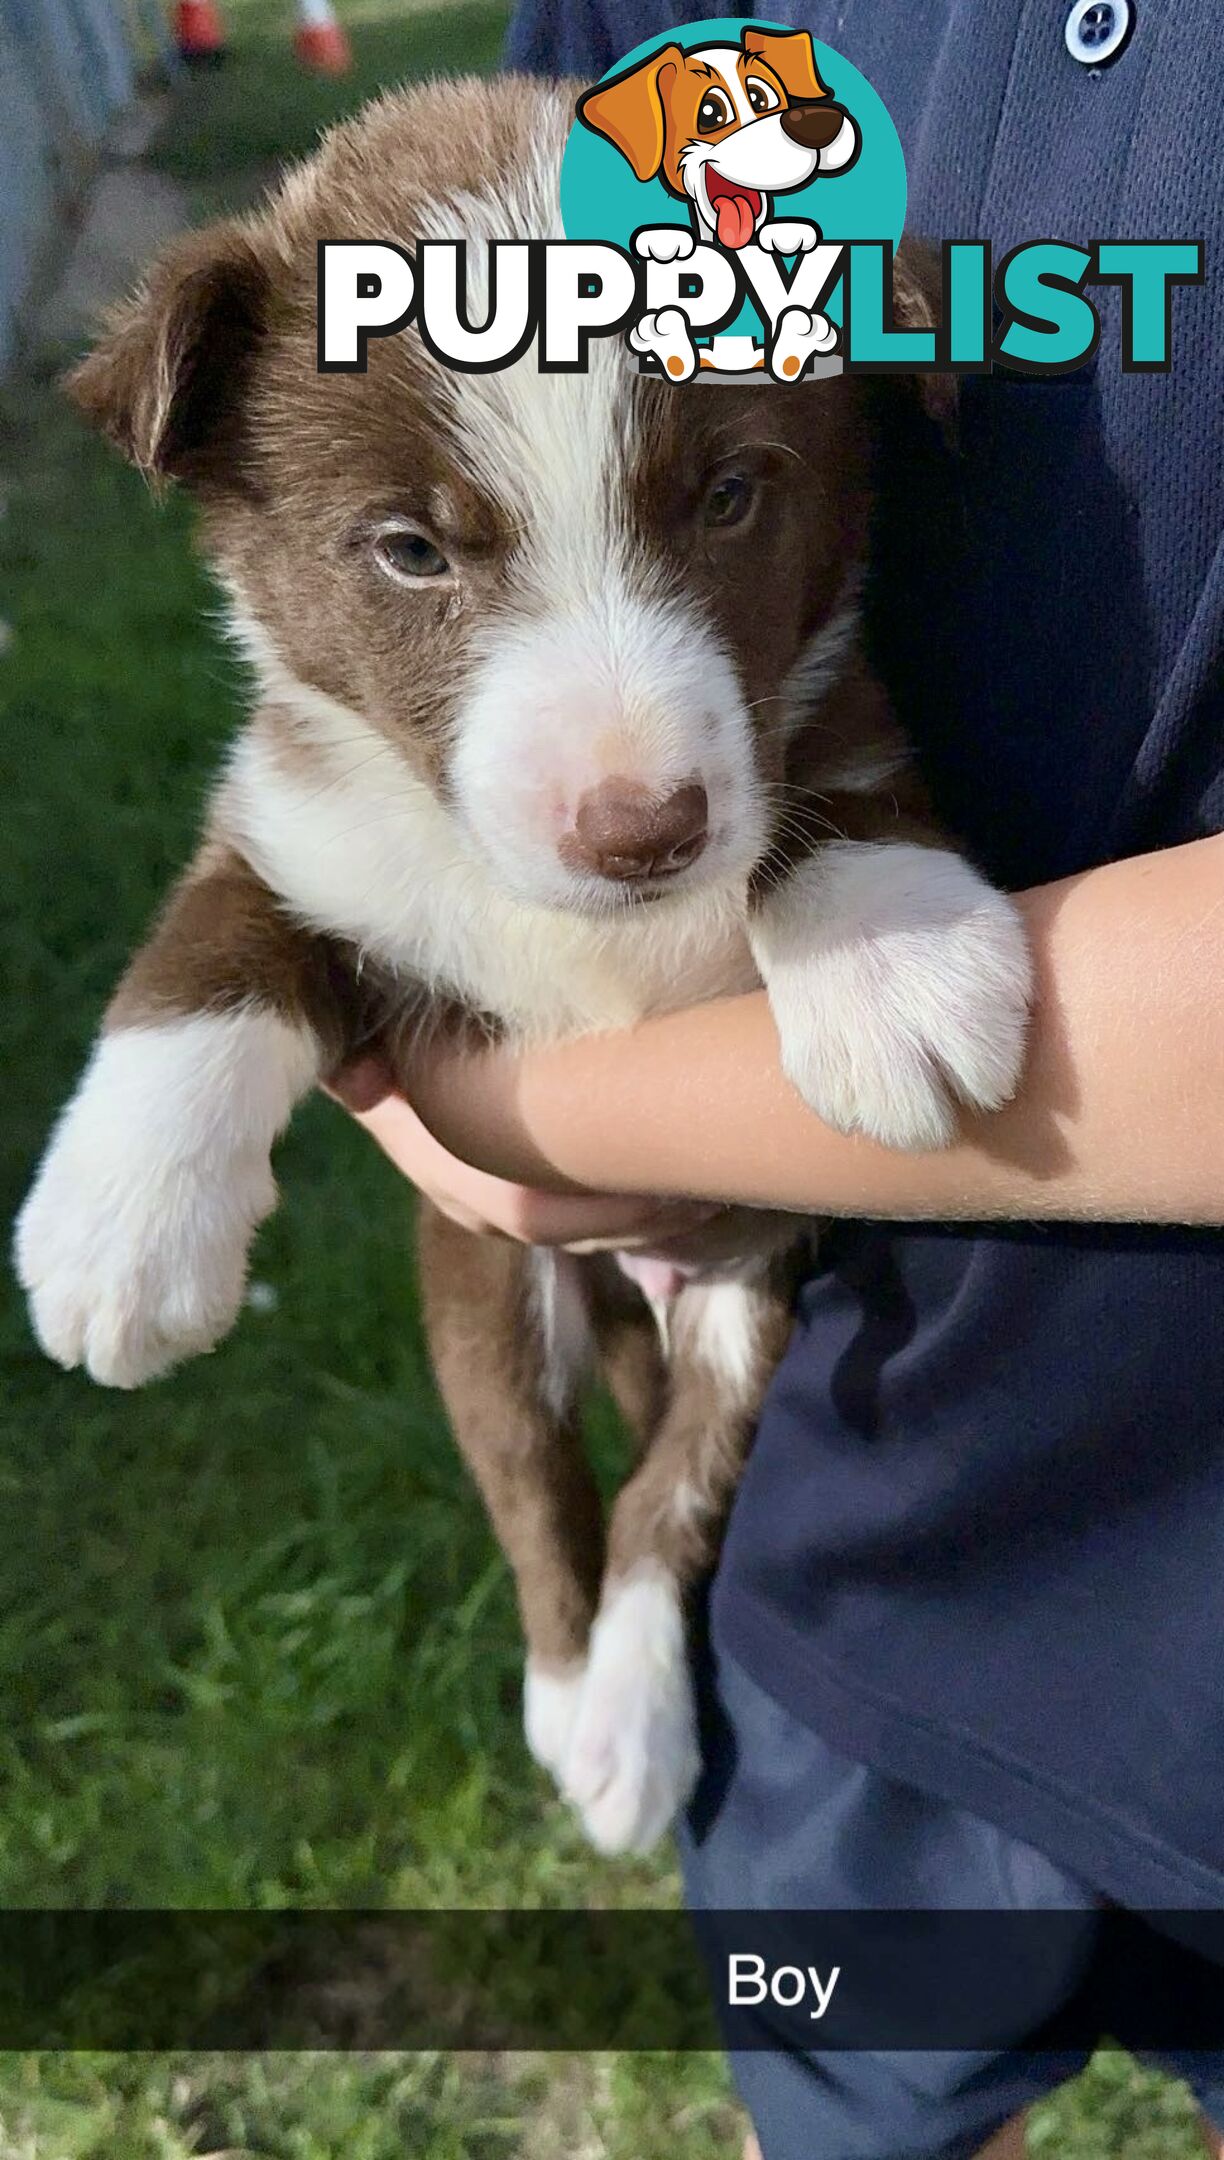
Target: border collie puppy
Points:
x,y
563,718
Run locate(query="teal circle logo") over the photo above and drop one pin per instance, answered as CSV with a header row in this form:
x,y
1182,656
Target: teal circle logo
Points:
x,y
750,137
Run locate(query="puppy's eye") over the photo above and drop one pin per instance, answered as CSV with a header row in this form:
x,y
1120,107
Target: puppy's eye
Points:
x,y
729,501
762,96
408,555
714,111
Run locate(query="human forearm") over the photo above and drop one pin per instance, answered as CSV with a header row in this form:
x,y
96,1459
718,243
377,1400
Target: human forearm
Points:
x,y
1120,1115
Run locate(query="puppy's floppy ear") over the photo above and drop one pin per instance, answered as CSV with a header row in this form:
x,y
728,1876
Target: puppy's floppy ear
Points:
x,y
792,56
631,111
168,381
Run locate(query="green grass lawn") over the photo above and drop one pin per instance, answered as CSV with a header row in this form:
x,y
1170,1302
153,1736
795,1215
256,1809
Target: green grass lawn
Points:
x,y
256,1647
261,107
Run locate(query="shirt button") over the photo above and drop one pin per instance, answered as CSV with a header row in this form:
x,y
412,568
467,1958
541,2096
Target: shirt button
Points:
x,y
1097,29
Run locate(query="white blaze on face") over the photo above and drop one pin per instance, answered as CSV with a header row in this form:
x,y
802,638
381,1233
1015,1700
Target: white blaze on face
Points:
x,y
595,667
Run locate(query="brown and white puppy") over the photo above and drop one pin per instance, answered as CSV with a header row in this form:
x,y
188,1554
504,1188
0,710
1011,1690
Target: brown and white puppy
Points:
x,y
563,719
726,128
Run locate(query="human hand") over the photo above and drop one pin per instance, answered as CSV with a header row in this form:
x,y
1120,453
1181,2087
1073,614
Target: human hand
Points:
x,y
477,1201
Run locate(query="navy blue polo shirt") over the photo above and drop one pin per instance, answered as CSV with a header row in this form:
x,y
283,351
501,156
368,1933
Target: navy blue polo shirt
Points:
x,y
980,1541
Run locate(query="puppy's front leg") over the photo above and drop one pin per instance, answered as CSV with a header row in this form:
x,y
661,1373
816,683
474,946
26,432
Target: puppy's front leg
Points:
x,y
899,980
133,1242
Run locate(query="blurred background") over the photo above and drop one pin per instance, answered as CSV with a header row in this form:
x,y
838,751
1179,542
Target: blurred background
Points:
x,y
256,1648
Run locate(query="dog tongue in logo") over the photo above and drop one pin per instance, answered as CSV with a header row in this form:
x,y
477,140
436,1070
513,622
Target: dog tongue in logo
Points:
x,y
736,210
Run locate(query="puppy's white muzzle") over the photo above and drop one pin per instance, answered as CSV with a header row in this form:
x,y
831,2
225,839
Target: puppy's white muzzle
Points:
x,y
605,751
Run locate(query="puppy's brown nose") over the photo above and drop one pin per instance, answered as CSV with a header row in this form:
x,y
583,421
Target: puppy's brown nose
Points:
x,y
624,832
813,127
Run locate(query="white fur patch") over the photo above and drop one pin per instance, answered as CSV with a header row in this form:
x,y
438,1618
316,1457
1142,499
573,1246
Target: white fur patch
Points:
x,y
899,981
133,1243
863,775
551,1696
633,1760
824,659
593,667
619,679
726,1316
689,1504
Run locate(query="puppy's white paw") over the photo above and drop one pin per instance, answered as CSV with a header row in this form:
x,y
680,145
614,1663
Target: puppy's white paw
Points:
x,y
900,981
133,1242
633,1759
131,1267
788,236
665,335
551,1696
664,243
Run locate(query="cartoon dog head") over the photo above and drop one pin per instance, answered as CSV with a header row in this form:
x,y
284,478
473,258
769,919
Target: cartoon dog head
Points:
x,y
727,126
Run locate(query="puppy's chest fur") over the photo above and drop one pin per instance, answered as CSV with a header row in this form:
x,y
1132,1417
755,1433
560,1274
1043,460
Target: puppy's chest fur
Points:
x,y
361,849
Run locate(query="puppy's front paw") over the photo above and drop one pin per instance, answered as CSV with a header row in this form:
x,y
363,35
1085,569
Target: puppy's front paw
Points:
x,y
633,1760
551,1698
129,1270
900,981
133,1243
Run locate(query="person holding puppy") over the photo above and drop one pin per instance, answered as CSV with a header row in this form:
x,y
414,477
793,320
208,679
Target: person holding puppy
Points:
x,y
964,1647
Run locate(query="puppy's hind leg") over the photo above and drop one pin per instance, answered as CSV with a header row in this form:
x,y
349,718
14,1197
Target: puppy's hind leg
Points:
x,y
633,1760
630,1350
508,1335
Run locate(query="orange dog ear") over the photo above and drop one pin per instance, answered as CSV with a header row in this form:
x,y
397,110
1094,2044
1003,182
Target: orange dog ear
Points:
x,y
792,56
630,111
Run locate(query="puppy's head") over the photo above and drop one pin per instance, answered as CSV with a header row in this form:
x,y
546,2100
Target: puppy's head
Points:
x,y
559,610
727,126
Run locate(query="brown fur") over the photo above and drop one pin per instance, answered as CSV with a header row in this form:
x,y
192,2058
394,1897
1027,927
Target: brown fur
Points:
x,y
223,938
528,1462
